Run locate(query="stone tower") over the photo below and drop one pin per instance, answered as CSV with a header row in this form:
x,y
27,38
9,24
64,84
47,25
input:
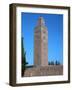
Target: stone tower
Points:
x,y
41,43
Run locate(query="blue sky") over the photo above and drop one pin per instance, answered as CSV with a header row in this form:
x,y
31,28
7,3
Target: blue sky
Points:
x,y
54,23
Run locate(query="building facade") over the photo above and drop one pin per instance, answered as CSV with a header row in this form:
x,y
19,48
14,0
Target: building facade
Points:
x,y
41,43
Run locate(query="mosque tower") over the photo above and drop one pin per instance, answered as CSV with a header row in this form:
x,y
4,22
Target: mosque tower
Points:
x,y
41,43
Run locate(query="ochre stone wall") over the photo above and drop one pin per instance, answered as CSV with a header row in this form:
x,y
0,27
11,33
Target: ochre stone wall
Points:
x,y
44,71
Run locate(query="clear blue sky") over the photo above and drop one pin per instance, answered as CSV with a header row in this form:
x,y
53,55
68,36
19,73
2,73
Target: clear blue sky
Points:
x,y
54,23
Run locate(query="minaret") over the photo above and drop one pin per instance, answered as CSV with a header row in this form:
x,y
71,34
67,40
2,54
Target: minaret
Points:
x,y
41,43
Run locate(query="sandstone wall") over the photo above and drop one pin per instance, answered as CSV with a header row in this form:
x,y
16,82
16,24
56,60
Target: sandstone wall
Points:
x,y
44,71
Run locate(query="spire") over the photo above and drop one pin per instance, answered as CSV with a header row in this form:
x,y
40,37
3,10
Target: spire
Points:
x,y
41,21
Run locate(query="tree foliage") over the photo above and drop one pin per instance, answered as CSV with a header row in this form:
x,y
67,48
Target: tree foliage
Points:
x,y
24,63
54,63
57,63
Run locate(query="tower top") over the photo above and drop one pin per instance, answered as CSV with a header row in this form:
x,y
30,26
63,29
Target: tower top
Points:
x,y
41,21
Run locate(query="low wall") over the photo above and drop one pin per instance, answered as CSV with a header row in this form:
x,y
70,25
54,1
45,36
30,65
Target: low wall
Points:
x,y
44,71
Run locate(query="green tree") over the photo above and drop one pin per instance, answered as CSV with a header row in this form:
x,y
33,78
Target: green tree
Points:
x,y
57,63
51,63
24,63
